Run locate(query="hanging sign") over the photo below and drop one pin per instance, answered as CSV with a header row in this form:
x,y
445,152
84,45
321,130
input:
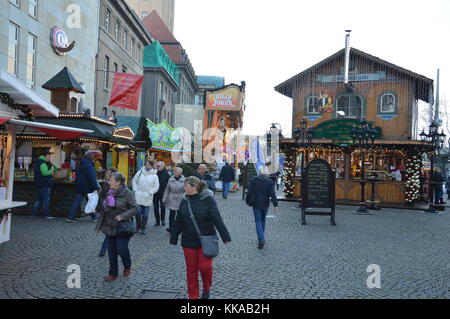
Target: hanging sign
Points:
x,y
352,77
227,99
126,90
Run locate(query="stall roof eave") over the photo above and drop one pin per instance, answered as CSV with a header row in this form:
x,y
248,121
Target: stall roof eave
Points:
x,y
21,94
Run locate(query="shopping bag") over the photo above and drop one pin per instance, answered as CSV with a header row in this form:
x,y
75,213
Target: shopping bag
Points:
x,y
91,203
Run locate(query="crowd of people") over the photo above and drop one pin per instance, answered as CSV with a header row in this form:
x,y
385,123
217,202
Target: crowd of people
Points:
x,y
121,212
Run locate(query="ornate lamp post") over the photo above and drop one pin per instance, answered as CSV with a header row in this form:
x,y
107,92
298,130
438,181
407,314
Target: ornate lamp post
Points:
x,y
303,138
273,128
436,140
363,137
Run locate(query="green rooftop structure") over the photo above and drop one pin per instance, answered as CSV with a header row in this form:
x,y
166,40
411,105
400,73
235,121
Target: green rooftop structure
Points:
x,y
156,57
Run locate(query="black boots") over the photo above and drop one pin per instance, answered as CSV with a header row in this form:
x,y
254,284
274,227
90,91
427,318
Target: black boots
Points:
x,y
144,225
205,295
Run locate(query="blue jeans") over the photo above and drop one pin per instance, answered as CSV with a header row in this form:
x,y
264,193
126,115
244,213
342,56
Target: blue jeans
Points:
x,y
118,245
76,206
104,245
260,221
142,211
43,199
225,189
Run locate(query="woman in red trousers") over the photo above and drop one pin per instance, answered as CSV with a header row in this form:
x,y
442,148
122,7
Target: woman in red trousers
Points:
x,y
207,216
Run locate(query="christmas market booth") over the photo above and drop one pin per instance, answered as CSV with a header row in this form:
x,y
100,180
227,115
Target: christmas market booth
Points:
x,y
360,114
19,109
67,151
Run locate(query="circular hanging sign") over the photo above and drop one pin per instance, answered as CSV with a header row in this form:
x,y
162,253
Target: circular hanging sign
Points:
x,y
60,41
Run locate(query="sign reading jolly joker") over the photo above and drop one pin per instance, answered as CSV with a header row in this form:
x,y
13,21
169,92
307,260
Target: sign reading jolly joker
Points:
x,y
226,99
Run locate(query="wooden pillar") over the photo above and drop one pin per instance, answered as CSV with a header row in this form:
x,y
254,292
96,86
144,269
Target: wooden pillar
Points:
x,y
347,164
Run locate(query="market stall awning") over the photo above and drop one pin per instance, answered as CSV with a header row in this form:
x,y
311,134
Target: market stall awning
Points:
x,y
58,131
21,94
99,129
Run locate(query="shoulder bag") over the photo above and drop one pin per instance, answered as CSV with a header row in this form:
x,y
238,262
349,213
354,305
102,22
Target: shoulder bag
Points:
x,y
210,244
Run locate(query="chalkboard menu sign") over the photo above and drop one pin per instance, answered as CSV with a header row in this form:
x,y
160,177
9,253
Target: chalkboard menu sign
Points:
x,y
318,189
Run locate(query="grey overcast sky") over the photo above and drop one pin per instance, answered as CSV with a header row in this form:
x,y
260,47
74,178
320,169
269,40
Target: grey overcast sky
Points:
x,y
265,42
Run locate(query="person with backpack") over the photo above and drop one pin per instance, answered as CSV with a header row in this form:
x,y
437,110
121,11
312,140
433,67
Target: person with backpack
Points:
x,y
145,185
203,175
86,183
260,191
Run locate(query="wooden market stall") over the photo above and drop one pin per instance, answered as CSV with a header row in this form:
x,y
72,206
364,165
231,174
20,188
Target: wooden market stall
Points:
x,y
333,96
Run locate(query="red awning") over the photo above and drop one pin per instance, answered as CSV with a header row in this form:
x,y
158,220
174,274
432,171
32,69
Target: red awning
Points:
x,y
57,131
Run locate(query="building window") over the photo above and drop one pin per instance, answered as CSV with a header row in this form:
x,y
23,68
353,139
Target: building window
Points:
x,y
124,69
107,19
32,9
105,71
15,2
350,105
161,87
388,103
13,47
31,61
125,39
116,68
133,47
144,14
313,105
117,31
104,112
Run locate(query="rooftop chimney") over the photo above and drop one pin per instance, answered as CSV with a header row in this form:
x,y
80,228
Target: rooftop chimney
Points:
x,y
347,56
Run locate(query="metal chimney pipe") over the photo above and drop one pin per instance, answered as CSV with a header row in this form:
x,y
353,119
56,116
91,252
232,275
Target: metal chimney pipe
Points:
x,y
436,102
347,56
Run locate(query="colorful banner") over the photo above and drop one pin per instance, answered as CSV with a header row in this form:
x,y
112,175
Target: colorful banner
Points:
x,y
126,90
228,99
163,136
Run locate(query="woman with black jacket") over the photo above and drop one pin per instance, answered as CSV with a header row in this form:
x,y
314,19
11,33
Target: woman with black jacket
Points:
x,y
207,216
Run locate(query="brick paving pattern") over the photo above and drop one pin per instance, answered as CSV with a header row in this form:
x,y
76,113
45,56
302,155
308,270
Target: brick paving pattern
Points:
x,y
312,261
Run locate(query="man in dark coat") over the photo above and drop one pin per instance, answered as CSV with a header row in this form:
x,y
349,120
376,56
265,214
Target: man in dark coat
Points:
x,y
163,177
438,181
248,172
202,174
227,175
261,190
43,171
86,183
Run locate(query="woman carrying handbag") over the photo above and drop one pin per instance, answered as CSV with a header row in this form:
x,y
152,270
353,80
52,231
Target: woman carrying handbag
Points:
x,y
116,222
197,216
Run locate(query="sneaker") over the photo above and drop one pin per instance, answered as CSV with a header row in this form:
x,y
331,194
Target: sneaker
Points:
x,y
126,272
143,232
168,230
110,278
93,220
49,217
101,254
71,220
261,245
163,223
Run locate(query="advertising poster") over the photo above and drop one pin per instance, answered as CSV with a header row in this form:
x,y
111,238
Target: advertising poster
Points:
x,y
228,99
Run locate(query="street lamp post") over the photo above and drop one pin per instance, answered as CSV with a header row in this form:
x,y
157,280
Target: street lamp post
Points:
x,y
436,140
303,137
363,137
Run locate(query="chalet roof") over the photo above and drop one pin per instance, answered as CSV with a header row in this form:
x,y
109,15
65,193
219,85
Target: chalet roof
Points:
x,y
423,82
64,80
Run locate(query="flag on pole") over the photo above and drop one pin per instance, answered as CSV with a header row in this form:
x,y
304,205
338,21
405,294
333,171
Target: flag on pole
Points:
x,y
126,90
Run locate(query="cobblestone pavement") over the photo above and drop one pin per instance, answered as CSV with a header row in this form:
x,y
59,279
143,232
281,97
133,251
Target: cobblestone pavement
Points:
x,y
313,261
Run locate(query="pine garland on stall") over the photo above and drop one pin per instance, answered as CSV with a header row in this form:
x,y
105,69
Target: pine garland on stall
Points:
x,y
6,99
412,179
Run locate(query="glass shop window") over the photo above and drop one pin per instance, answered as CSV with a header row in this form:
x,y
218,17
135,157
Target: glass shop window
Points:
x,y
351,105
313,105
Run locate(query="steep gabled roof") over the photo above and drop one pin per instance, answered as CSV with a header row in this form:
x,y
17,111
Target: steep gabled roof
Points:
x,y
158,29
285,88
64,80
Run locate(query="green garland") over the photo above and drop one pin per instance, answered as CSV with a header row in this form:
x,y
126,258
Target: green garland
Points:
x,y
6,99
